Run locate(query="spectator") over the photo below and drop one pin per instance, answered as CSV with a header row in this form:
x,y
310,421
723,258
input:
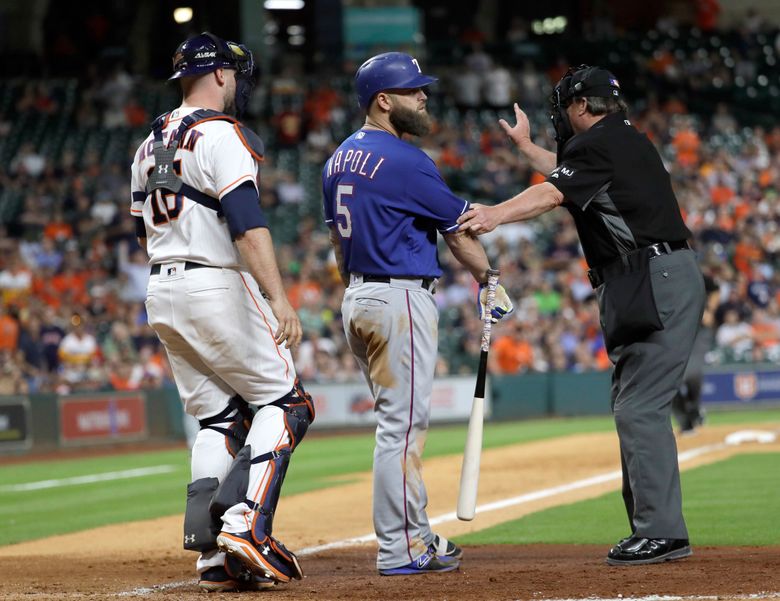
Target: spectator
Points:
x,y
77,352
9,329
734,334
28,161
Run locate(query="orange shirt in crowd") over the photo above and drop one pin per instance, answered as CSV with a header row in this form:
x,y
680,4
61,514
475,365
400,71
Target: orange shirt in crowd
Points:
x,y
721,194
746,254
301,291
73,284
58,230
686,142
9,333
512,354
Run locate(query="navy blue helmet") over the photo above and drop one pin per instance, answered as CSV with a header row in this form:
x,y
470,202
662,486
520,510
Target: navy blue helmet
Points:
x,y
206,52
388,71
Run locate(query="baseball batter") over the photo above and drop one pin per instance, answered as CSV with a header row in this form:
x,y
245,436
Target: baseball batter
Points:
x,y
384,202
216,301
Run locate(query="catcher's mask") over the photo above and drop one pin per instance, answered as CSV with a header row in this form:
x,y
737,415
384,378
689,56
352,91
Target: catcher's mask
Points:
x,y
576,83
206,52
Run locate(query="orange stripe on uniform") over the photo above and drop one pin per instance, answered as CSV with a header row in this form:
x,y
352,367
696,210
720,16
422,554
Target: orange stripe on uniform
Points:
x,y
268,325
233,183
269,465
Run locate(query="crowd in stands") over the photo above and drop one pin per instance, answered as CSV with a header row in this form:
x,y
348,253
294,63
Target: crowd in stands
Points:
x,y
73,280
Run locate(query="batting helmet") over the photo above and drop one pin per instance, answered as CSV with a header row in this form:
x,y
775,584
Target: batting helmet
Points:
x,y
388,71
206,52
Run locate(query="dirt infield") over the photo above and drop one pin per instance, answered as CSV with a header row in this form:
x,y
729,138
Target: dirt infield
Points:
x,y
144,559
488,573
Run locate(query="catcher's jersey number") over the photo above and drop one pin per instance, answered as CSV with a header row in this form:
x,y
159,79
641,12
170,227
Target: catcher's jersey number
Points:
x,y
166,207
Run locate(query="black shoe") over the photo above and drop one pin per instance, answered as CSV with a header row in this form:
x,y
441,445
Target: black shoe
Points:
x,y
446,548
640,551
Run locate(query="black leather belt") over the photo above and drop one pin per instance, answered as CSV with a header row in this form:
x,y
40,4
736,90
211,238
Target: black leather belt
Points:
x,y
426,283
187,266
599,275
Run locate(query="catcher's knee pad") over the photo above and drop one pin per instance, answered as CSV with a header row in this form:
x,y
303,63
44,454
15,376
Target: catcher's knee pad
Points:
x,y
234,422
298,413
200,526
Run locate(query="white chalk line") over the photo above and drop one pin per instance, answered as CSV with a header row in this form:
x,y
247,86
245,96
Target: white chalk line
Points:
x,y
486,508
518,500
90,478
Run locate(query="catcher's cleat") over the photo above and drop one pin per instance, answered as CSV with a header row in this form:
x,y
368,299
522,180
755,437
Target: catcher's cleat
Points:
x,y
446,548
269,559
427,563
232,578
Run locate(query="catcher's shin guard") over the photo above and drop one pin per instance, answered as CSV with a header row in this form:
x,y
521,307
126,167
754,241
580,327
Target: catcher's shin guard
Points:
x,y
298,414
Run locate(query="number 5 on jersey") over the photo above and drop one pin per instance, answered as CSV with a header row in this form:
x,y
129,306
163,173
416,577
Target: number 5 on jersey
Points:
x,y
343,192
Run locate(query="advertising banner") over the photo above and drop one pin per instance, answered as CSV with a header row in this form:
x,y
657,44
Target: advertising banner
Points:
x,y
351,404
741,387
15,424
109,417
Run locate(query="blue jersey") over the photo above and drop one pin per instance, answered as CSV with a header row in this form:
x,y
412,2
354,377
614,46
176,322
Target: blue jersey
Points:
x,y
387,200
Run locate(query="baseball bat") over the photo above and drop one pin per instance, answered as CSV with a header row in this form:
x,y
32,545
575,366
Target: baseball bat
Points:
x,y
469,473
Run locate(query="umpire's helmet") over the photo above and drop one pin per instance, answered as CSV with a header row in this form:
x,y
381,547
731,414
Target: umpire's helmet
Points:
x,y
586,81
206,52
388,71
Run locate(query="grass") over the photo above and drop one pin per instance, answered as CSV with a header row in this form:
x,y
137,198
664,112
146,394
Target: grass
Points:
x,y
319,462
732,502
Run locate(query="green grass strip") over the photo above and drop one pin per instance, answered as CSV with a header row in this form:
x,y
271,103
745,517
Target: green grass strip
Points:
x,y
319,462
732,502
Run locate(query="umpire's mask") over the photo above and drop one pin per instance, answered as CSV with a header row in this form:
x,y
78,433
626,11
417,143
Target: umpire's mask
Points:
x,y
578,82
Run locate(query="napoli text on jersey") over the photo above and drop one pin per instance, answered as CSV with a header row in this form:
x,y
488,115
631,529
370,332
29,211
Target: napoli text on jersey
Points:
x,y
386,223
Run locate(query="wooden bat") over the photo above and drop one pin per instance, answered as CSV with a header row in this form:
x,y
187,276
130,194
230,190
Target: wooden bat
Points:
x,y
469,473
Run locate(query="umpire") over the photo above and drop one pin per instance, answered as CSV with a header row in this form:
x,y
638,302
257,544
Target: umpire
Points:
x,y
649,286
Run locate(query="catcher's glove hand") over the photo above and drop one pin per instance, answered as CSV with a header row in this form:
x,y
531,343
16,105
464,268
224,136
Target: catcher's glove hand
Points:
x,y
502,306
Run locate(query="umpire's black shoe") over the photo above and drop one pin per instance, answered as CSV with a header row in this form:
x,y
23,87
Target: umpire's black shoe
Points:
x,y
639,551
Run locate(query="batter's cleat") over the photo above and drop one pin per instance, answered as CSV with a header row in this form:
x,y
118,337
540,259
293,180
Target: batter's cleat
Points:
x,y
446,548
641,551
269,559
427,563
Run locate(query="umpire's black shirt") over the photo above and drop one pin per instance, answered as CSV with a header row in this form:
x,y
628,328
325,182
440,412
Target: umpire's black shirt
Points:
x,y
618,191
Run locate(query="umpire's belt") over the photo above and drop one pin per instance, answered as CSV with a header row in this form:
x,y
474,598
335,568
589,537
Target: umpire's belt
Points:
x,y
355,279
599,275
187,266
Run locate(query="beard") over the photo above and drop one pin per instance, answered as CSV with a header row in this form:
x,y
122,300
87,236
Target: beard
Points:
x,y
409,121
230,99
230,104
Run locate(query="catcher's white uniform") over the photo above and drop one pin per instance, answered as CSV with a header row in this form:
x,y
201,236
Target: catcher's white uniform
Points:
x,y
207,310
214,322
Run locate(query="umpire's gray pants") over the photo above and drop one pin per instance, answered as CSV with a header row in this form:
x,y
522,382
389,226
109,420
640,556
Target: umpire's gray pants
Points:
x,y
646,378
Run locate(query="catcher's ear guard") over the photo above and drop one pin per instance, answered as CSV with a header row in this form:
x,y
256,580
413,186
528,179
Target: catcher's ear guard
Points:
x,y
200,527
